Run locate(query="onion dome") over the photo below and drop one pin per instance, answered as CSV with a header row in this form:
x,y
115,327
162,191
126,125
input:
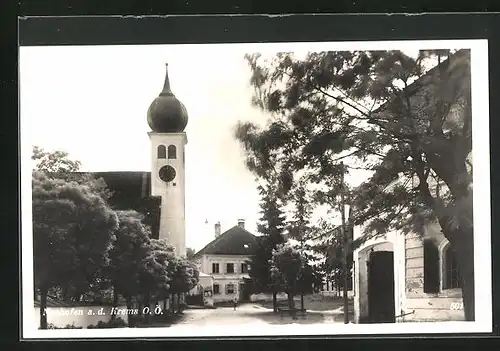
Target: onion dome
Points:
x,y
166,114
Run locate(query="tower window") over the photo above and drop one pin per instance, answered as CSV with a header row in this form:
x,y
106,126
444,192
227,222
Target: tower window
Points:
x,y
162,151
172,152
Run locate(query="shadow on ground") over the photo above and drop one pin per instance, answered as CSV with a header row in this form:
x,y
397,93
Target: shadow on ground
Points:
x,y
314,303
313,317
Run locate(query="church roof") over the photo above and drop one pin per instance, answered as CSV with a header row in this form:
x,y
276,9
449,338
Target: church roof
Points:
x,y
127,187
131,191
235,241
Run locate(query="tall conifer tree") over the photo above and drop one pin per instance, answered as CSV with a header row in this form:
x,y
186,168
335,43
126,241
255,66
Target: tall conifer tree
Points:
x,y
271,225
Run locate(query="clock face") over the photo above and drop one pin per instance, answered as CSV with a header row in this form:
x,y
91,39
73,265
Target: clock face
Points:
x,y
167,173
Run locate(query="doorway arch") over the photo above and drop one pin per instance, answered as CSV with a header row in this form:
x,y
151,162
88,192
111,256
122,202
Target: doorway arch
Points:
x,y
376,294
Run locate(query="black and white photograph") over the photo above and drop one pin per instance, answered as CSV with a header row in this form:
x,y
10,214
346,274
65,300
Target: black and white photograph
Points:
x,y
257,189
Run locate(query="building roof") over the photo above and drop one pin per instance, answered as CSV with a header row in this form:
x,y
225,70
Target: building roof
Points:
x,y
422,81
131,191
231,242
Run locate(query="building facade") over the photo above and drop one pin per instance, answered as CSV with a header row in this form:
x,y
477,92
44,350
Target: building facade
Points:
x,y
407,278
432,282
226,260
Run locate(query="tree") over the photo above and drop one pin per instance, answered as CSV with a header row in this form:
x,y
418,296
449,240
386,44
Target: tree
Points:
x,y
57,164
54,162
332,247
271,225
287,266
156,274
311,275
299,228
72,232
185,277
127,255
409,125
190,253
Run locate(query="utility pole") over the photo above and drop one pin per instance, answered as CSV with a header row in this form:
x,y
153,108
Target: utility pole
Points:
x,y
345,244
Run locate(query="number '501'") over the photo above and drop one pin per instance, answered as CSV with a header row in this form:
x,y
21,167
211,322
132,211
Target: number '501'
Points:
x,y
456,306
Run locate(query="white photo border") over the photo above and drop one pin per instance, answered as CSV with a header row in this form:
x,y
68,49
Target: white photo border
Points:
x,y
482,218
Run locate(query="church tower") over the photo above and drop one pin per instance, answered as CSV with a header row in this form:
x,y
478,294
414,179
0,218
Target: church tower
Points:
x,y
167,118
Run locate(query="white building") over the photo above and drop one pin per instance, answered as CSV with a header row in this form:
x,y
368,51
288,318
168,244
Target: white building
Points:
x,y
225,259
410,277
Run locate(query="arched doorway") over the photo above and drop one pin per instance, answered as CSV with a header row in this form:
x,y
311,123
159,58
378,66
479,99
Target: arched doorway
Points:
x,y
381,287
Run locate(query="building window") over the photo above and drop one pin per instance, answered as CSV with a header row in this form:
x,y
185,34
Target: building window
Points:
x,y
162,151
172,152
229,289
229,267
244,268
451,275
216,289
215,268
431,267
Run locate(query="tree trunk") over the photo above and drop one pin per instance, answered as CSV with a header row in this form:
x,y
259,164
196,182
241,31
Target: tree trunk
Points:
x,y
115,302
179,303
291,304
165,304
453,171
302,302
172,303
275,302
139,307
131,321
147,303
43,307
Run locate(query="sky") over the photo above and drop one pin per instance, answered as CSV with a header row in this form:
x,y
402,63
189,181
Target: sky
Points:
x,y
91,101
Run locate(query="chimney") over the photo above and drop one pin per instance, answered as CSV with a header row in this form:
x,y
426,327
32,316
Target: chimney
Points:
x,y
217,229
241,223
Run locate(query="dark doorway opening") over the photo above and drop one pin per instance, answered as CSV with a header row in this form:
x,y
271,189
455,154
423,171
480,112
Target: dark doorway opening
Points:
x,y
381,287
195,300
431,267
244,292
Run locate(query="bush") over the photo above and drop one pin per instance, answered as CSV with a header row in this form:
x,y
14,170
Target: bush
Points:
x,y
112,323
68,326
